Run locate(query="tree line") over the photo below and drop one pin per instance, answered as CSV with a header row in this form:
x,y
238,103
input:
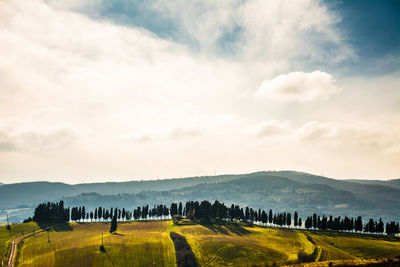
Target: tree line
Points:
x,y
50,213
207,212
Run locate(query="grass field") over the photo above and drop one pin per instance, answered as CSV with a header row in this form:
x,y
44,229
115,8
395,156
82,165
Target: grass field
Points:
x,y
231,244
6,237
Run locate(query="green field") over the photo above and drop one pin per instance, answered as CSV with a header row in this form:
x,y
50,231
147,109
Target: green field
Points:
x,y
6,237
231,244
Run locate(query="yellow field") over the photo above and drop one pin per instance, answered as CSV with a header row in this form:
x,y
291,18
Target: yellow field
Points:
x,y
6,237
232,244
138,243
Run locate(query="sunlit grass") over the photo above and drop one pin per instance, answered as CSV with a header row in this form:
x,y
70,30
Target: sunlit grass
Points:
x,y
229,244
137,244
7,236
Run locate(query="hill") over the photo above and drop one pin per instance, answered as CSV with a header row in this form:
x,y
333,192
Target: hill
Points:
x,y
283,190
228,244
395,183
7,236
265,191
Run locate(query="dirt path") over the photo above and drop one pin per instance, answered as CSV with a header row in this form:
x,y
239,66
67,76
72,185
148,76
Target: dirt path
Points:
x,y
14,245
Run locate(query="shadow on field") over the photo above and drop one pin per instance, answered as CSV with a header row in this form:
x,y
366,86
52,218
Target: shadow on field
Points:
x,y
115,233
183,251
56,227
234,228
303,257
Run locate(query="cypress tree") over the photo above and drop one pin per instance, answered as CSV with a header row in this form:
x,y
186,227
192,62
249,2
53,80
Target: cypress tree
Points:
x,y
113,227
296,218
288,219
270,216
180,209
314,221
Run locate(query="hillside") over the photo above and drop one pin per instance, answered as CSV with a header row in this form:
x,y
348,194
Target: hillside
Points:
x,y
262,190
7,236
395,183
283,190
13,195
229,244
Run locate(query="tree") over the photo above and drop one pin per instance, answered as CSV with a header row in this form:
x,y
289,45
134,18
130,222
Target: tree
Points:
x,y
100,213
83,212
288,219
296,218
174,209
247,214
180,209
380,226
270,216
51,213
113,227
123,213
264,217
358,224
308,223
314,221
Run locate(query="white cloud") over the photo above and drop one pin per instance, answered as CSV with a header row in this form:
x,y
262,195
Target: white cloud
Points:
x,y
178,133
299,86
355,138
272,128
24,139
262,30
63,75
314,131
139,138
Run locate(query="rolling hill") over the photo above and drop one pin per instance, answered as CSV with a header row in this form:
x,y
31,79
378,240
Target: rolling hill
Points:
x,y
228,244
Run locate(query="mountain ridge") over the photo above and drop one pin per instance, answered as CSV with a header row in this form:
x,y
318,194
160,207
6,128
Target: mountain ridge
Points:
x,y
264,189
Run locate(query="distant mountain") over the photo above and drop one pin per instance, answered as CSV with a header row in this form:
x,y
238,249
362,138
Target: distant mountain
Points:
x,y
265,191
392,183
1,184
281,191
31,193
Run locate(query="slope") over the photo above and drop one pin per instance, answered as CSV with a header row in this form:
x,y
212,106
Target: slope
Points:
x,y
228,244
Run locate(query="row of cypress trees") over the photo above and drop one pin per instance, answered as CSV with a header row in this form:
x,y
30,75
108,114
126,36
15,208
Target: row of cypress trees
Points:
x,y
207,212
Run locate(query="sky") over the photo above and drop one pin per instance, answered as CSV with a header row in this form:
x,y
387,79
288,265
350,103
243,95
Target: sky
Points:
x,y
118,90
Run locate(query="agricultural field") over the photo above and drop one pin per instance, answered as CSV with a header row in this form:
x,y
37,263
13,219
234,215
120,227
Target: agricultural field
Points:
x,y
7,236
230,244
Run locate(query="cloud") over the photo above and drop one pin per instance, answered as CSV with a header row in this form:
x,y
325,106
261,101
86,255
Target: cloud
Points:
x,y
272,128
332,135
266,35
299,86
69,68
179,133
25,138
354,138
7,146
142,138
314,131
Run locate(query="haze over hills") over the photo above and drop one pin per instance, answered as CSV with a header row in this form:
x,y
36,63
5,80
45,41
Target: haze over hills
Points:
x,y
393,182
280,191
